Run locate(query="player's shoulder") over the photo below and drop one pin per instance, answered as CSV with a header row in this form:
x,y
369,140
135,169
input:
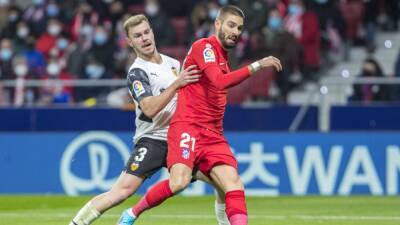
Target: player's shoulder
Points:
x,y
171,61
202,43
137,69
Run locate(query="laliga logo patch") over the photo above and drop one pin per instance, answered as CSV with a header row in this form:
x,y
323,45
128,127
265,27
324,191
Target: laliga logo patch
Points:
x,y
138,88
185,153
134,166
209,55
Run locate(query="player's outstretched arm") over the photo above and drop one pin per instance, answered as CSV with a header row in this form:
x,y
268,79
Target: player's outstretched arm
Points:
x,y
224,81
152,105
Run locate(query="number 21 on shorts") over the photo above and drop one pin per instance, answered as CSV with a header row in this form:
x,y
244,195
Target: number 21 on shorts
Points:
x,y
187,143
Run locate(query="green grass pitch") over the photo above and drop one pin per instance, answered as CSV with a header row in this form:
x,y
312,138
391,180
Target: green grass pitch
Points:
x,y
58,210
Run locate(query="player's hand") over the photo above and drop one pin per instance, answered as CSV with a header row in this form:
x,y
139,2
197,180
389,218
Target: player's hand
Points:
x,y
189,75
271,61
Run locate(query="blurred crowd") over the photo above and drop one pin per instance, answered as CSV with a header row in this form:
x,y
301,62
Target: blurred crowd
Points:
x,y
53,40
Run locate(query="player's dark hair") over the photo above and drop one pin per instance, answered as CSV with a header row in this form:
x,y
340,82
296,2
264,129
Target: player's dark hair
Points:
x,y
230,9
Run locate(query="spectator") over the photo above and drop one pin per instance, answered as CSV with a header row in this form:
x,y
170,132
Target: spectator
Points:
x,y
201,25
14,16
303,24
332,28
54,91
103,47
48,39
35,15
36,60
256,14
94,70
277,41
21,95
22,32
368,93
159,20
6,55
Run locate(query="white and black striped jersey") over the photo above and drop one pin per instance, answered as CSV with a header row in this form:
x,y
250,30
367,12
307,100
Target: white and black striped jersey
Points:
x,y
150,79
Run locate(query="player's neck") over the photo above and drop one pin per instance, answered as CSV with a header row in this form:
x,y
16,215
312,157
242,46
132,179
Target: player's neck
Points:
x,y
154,58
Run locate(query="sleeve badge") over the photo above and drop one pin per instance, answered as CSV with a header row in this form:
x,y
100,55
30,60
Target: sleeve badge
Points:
x,y
138,88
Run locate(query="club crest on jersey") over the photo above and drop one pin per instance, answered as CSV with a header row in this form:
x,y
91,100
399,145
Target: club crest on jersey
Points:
x,y
174,71
209,55
185,153
138,88
134,166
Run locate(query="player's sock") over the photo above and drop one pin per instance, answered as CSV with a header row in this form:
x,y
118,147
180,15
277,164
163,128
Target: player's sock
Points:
x,y
155,196
236,207
86,215
220,213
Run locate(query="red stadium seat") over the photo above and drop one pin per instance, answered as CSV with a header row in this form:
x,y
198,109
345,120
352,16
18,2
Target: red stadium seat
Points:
x,y
136,9
180,25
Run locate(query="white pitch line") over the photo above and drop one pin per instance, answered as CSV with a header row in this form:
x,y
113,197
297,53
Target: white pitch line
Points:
x,y
198,216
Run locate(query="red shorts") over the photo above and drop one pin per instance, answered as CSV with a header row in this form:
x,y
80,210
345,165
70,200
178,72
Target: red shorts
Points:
x,y
198,147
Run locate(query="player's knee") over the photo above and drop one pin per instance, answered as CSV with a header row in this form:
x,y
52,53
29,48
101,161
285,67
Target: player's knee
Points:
x,y
234,183
179,183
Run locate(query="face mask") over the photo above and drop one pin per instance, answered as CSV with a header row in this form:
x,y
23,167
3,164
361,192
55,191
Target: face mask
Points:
x,y
52,10
22,32
86,29
53,69
54,30
212,14
5,54
151,9
223,2
274,23
294,10
37,2
100,38
12,17
21,70
62,43
321,1
108,1
94,71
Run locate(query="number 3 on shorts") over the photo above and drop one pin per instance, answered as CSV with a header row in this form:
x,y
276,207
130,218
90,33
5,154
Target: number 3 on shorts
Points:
x,y
185,141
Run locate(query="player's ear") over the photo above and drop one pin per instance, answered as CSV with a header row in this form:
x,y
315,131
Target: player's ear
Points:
x,y
129,41
217,24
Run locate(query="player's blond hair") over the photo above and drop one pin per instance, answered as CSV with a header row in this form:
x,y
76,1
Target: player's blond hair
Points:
x,y
134,21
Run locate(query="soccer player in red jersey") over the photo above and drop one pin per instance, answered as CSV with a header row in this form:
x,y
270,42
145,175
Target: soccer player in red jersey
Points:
x,y
195,137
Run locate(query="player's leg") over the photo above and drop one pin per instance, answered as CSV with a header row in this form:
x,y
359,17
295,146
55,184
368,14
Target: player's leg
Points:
x,y
180,176
180,163
125,186
147,158
227,177
219,205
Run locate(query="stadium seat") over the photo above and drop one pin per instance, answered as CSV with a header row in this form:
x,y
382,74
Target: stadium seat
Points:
x,y
136,8
180,25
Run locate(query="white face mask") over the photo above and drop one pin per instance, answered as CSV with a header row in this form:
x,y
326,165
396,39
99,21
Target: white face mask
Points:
x,y
4,2
54,30
53,69
21,70
22,32
151,9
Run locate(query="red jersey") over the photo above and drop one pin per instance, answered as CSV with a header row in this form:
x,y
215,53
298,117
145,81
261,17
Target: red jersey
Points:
x,y
203,103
